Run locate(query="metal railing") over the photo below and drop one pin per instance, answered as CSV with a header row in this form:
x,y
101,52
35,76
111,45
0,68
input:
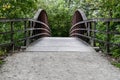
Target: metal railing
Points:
x,y
92,32
27,31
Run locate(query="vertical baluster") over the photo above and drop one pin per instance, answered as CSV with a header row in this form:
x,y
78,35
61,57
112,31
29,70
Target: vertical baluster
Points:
x,y
90,28
94,34
107,38
25,33
88,31
12,36
29,33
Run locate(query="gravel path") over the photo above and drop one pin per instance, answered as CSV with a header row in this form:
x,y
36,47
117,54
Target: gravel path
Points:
x,y
58,66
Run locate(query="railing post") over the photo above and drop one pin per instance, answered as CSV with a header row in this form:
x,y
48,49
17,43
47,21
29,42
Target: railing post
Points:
x,y
25,34
88,31
28,34
12,36
88,28
94,35
107,38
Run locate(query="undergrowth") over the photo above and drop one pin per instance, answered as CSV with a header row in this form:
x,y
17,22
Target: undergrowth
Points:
x,y
117,64
2,53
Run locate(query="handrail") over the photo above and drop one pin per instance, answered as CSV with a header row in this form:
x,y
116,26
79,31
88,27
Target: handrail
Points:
x,y
91,28
86,29
106,19
81,22
27,30
32,29
35,21
13,20
96,20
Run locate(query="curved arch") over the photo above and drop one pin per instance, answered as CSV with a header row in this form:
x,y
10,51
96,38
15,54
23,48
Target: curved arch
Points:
x,y
78,16
41,16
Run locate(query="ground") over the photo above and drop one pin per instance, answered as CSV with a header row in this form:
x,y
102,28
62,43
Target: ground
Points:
x,y
58,65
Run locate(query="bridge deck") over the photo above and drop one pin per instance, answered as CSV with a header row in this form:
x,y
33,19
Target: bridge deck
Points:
x,y
59,44
58,59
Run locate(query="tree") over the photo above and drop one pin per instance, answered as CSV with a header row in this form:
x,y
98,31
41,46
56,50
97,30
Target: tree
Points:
x,y
14,9
58,15
17,8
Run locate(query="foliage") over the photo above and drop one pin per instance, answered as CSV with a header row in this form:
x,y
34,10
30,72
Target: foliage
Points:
x,y
59,16
110,8
1,62
116,64
106,9
2,53
17,8
14,9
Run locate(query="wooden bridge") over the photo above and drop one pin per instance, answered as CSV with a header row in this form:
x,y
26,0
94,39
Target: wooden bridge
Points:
x,y
58,58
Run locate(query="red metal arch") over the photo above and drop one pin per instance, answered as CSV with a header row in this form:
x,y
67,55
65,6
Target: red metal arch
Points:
x,y
41,16
78,16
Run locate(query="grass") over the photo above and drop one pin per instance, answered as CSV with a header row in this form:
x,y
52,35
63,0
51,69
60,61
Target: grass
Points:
x,y
1,62
2,53
117,64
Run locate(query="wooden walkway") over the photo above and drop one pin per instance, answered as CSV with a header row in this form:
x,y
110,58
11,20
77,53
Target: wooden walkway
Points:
x,y
56,58
59,44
